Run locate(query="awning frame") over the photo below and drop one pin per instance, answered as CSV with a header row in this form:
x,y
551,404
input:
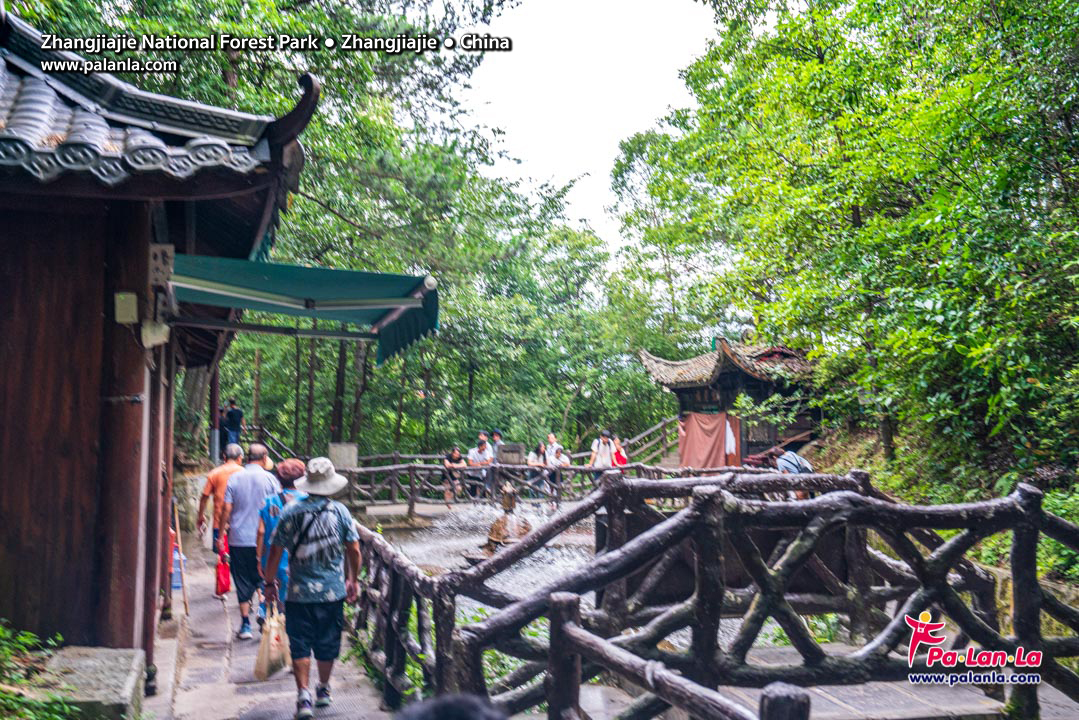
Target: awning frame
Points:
x,y
237,326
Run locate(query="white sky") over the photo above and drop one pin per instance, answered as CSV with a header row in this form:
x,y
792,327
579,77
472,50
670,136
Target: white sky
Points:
x,y
583,75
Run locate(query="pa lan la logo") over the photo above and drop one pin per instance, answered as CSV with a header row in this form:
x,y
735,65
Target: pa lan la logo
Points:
x,y
924,632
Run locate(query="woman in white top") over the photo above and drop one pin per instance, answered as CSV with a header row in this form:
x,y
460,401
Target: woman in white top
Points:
x,y
537,462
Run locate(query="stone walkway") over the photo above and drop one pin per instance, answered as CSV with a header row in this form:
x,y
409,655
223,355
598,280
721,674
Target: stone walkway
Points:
x,y
206,674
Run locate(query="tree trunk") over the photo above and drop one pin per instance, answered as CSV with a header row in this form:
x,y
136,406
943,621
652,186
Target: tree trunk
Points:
x,y
258,387
361,362
196,390
471,387
427,404
296,395
337,416
887,435
311,387
401,404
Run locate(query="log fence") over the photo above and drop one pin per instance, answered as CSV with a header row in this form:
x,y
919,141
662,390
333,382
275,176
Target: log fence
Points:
x,y
851,552
413,483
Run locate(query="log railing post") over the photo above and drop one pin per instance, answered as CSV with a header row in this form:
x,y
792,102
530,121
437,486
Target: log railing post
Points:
x,y
781,701
1026,594
444,605
708,598
860,577
392,645
614,595
411,492
563,665
468,662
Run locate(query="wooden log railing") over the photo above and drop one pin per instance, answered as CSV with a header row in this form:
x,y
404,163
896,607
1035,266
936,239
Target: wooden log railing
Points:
x,y
413,483
722,528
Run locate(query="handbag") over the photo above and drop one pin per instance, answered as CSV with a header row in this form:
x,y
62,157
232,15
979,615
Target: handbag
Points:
x,y
224,582
273,646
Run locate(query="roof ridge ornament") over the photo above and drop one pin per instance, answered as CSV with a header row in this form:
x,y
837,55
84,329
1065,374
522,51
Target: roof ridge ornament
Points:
x,y
288,127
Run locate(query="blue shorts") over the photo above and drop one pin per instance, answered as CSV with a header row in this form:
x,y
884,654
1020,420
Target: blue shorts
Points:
x,y
315,627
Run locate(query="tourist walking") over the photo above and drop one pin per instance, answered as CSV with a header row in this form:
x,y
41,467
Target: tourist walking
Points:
x,y
216,482
222,434
244,497
324,564
602,458
453,465
234,421
288,472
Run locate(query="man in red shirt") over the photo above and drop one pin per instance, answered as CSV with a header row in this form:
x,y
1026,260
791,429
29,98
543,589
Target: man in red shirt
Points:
x,y
216,482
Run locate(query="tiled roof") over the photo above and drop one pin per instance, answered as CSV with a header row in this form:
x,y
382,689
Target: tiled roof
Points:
x,y
765,362
97,124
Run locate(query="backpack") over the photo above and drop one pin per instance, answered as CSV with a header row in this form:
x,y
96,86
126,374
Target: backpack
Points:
x,y
798,461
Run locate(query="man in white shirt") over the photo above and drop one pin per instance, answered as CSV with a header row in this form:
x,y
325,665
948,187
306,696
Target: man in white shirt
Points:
x,y
602,454
480,457
552,445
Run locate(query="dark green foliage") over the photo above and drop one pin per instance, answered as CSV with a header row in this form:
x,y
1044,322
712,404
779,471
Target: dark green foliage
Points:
x,y
22,657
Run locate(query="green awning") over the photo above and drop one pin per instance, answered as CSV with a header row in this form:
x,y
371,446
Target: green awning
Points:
x,y
397,310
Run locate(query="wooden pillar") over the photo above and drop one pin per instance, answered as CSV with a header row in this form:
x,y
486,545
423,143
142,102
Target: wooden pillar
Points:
x,y
125,426
563,665
154,541
167,491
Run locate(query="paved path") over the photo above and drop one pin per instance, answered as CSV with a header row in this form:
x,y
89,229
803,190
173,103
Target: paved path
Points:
x,y
213,677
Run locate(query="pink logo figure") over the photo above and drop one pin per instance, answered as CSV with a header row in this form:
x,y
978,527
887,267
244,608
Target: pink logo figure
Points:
x,y
921,631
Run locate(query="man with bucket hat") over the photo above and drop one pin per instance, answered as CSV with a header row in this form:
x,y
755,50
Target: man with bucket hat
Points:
x,y
324,564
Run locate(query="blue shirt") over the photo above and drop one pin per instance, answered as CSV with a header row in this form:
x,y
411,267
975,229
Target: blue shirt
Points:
x,y
271,515
317,567
247,492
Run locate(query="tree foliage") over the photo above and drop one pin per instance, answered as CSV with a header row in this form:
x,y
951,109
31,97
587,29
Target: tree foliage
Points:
x,y
398,180
892,186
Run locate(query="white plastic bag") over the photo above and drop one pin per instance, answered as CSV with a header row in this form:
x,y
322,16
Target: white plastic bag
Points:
x,y
273,647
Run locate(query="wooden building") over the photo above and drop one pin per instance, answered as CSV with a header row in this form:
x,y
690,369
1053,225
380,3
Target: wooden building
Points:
x,y
104,188
707,385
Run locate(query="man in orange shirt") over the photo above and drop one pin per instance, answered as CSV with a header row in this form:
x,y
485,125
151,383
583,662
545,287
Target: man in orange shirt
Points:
x,y
216,482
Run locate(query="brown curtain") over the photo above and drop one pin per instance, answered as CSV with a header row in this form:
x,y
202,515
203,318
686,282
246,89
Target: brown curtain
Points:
x,y
702,440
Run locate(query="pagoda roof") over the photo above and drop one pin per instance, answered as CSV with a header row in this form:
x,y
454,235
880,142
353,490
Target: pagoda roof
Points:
x,y
96,125
764,362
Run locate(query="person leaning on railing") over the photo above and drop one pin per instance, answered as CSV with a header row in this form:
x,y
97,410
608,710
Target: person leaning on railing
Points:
x,y
556,461
453,465
537,473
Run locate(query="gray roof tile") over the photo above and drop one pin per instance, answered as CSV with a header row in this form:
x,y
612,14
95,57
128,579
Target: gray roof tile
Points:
x,y
97,124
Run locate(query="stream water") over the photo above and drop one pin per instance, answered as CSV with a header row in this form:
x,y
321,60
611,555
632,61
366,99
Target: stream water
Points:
x,y
463,531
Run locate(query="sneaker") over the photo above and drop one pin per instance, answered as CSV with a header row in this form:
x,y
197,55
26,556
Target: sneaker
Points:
x,y
322,695
245,630
303,708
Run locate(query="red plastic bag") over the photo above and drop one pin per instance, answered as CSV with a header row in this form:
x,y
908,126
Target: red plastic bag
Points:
x,y
224,580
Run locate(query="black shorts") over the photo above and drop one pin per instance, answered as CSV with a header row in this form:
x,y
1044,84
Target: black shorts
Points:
x,y
245,572
315,627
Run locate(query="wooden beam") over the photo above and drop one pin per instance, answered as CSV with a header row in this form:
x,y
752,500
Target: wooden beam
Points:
x,y
209,324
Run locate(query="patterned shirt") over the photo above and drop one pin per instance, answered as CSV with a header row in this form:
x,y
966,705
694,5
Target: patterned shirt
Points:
x,y
317,566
